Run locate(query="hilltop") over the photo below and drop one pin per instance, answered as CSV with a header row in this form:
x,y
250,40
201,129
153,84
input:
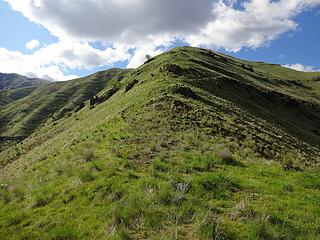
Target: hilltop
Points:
x,y
193,144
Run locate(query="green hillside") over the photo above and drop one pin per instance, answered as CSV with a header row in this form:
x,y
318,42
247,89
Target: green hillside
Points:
x,y
14,81
9,96
52,101
14,87
191,145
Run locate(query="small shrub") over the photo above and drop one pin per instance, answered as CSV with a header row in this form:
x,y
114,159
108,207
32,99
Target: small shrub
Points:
x,y
87,154
183,188
211,227
42,200
42,158
86,176
262,231
242,212
158,166
218,185
226,156
289,164
11,193
199,162
289,188
165,195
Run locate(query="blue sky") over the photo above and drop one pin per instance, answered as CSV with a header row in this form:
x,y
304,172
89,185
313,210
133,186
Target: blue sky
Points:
x,y
299,46
66,46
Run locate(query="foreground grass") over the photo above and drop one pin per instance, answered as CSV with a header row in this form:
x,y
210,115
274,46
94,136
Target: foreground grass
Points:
x,y
167,159
91,193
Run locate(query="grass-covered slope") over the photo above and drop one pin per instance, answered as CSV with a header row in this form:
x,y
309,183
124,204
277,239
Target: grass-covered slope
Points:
x,y
9,96
14,87
191,145
15,81
52,101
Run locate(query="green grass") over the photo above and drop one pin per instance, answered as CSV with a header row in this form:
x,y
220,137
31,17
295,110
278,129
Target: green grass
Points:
x,y
169,159
9,96
15,81
53,101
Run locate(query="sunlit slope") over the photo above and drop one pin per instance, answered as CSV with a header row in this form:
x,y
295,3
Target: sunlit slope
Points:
x,y
53,101
14,87
15,81
191,145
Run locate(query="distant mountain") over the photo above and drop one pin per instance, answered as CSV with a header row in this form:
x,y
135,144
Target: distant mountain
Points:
x,y
53,100
14,87
193,144
15,81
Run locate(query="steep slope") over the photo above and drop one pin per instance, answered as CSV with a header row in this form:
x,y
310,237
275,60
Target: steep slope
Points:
x,y
191,145
9,96
15,81
14,87
52,101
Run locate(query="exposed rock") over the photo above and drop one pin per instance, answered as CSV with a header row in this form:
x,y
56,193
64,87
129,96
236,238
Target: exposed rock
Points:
x,y
180,106
79,107
247,67
130,85
173,68
106,96
186,91
94,100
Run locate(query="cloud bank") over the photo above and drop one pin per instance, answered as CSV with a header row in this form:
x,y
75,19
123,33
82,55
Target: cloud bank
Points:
x,y
302,68
130,29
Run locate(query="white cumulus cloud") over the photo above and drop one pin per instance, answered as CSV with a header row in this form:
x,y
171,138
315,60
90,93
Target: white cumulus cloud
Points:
x,y
149,27
301,67
55,60
33,44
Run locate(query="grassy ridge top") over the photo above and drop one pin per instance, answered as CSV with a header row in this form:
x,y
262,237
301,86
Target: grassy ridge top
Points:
x,y
191,145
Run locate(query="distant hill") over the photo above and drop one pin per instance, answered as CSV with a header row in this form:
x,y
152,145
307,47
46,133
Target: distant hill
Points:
x,y
193,144
14,87
15,81
53,100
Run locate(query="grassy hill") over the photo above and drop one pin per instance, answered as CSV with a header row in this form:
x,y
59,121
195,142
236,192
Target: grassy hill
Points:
x,y
191,145
15,81
52,101
14,87
9,96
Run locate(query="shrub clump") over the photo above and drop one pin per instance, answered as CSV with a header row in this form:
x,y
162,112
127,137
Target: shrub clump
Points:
x,y
87,154
227,157
289,163
218,186
42,200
